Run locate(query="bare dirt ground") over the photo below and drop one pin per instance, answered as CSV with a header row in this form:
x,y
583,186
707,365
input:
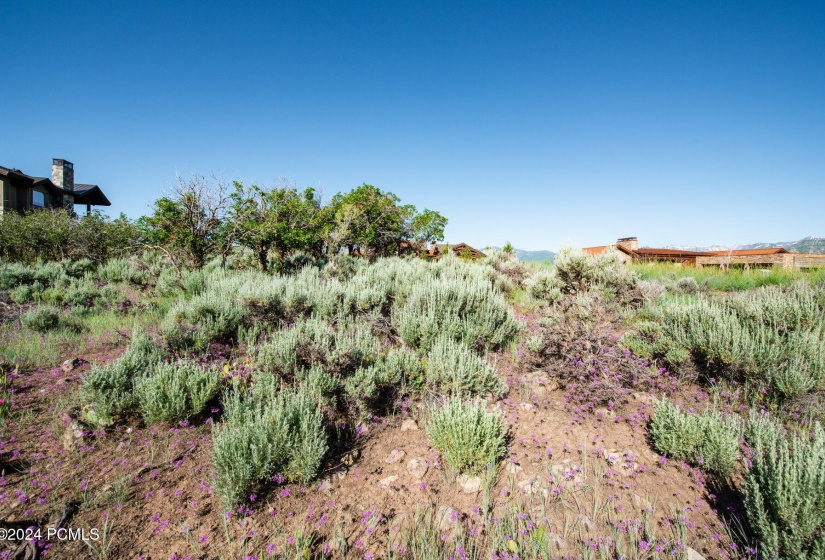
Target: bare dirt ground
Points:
x,y
148,489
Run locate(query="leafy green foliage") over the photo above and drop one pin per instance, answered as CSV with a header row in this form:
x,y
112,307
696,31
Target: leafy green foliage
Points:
x,y
278,219
266,431
370,221
470,439
186,223
427,227
54,235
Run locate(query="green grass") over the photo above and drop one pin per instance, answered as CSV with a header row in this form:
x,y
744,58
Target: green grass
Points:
x,y
726,281
97,330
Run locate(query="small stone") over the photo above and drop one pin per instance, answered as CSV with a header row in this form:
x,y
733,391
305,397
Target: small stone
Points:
x,y
638,502
694,555
527,406
339,472
542,383
567,470
646,398
409,425
469,484
557,540
533,485
605,413
447,518
384,482
72,435
612,457
70,364
395,456
586,522
325,487
494,407
417,467
513,468
349,458
650,455
397,522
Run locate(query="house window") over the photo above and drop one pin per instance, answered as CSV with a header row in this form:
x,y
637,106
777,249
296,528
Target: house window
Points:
x,y
38,199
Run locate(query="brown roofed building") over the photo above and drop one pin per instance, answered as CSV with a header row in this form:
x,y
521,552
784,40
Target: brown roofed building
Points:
x,y
629,251
460,249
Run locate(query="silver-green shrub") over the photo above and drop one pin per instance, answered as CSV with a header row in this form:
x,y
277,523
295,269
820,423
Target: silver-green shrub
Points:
x,y
265,432
307,342
43,318
773,335
122,270
468,310
578,271
785,494
108,390
455,369
470,439
175,391
545,287
708,439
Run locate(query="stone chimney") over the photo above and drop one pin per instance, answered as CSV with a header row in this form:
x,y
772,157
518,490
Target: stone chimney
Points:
x,y
629,243
63,177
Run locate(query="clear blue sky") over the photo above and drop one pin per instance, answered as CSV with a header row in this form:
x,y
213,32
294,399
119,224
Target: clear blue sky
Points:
x,y
539,123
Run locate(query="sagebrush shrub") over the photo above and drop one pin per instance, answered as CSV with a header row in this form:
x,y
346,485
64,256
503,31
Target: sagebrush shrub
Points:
x,y
27,293
578,271
772,336
264,432
122,270
81,294
109,389
175,391
13,275
687,284
785,494
469,310
455,369
43,318
469,438
708,439
545,287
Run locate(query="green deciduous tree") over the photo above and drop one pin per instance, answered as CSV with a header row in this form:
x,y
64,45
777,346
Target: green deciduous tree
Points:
x,y
374,223
186,223
427,227
54,234
278,219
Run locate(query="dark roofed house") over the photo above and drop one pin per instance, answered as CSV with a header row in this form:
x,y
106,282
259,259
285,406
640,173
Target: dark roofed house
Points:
x,y
24,193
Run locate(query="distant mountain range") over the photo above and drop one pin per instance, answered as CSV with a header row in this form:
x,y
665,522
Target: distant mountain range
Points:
x,y
806,245
532,255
